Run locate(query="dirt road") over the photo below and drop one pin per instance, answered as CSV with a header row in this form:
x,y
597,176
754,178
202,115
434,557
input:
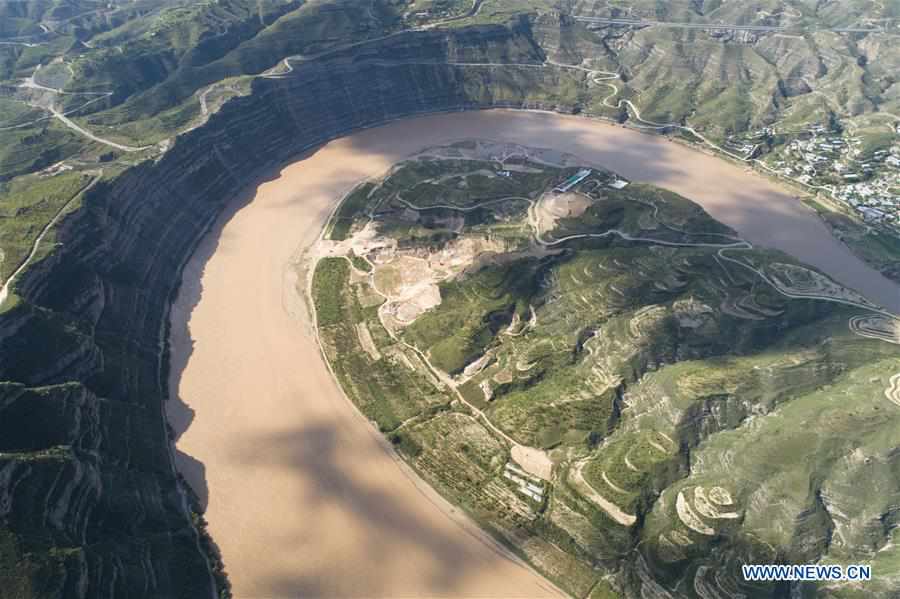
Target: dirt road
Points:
x,y
304,497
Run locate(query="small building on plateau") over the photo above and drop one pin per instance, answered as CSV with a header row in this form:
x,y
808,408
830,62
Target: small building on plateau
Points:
x,y
573,180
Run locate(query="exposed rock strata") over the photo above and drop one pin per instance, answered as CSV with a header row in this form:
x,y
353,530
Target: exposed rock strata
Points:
x,y
87,483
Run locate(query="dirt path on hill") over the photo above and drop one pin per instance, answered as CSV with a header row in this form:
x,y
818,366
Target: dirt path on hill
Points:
x,y
304,497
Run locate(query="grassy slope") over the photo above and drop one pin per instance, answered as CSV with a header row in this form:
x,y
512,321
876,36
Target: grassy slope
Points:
x,y
628,324
172,51
154,56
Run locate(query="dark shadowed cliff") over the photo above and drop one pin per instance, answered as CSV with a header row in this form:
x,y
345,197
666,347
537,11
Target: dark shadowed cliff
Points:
x,y
90,503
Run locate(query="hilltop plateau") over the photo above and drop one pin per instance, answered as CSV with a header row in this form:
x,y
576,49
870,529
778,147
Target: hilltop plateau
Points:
x,y
620,388
127,128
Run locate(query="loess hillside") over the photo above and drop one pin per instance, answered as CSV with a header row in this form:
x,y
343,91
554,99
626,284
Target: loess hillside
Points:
x,y
86,85
623,391
126,127
804,91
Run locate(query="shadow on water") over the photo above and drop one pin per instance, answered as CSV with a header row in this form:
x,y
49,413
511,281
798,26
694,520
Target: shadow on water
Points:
x,y
314,453
181,345
311,455
749,204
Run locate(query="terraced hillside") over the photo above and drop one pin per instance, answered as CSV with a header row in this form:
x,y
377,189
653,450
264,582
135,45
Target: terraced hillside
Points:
x,y
90,308
126,127
623,391
86,85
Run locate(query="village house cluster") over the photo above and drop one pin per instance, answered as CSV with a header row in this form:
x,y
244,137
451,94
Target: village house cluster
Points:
x,y
837,164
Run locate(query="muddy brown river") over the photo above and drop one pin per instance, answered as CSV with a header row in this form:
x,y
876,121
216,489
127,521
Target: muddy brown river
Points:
x,y
304,497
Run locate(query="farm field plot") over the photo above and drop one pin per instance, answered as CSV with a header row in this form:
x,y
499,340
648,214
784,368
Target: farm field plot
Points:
x,y
488,323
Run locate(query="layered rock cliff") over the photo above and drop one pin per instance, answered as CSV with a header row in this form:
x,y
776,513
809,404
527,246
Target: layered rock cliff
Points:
x,y
90,503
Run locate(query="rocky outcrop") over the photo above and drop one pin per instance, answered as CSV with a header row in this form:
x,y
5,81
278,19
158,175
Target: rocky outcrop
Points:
x,y
90,503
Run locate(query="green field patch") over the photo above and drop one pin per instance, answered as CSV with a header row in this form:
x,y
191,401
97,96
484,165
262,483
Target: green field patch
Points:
x,y
559,404
626,470
352,205
26,206
473,312
389,389
360,263
642,365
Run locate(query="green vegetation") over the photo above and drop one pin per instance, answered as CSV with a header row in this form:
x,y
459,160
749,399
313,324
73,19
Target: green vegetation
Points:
x,y
494,11
27,150
360,263
26,206
137,73
600,353
471,314
331,302
367,363
27,574
459,183
679,395
348,212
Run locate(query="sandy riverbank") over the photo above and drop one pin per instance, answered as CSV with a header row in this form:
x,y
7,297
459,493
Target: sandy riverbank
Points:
x,y
304,497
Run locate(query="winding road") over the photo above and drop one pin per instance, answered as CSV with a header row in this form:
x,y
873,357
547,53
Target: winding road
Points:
x,y
35,246
718,26
305,498
31,83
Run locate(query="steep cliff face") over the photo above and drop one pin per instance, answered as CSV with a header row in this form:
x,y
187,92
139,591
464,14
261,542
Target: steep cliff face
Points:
x,y
90,503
